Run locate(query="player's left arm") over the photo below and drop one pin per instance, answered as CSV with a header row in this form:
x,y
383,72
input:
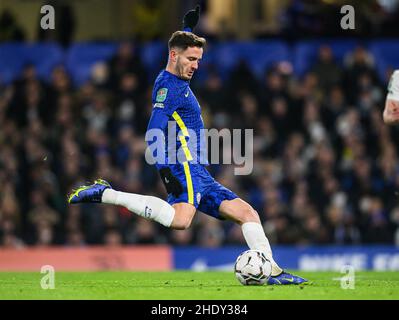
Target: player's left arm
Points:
x,y
391,109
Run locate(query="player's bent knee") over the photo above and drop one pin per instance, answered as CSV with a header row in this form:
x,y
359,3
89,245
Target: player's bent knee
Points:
x,y
182,220
250,215
239,211
182,224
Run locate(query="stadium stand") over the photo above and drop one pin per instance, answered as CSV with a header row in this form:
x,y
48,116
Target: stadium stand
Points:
x,y
326,167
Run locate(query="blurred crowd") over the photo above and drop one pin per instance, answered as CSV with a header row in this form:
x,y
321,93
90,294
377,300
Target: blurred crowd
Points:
x,y
290,19
325,165
373,18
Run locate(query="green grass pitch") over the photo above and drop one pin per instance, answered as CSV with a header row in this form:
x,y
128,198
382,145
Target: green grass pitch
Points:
x,y
186,285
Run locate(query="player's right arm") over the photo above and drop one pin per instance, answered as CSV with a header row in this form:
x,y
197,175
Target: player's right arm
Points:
x,y
391,109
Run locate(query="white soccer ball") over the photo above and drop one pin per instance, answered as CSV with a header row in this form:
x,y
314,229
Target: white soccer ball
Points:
x,y
252,268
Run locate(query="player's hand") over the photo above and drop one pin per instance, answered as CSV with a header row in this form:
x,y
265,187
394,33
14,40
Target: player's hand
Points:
x,y
172,184
190,19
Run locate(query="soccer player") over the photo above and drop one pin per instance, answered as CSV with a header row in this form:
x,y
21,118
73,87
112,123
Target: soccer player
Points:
x,y
189,185
391,110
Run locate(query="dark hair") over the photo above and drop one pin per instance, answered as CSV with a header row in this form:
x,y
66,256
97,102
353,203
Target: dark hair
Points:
x,y
183,40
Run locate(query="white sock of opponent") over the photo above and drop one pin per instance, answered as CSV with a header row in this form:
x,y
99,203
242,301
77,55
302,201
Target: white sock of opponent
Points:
x,y
148,207
256,239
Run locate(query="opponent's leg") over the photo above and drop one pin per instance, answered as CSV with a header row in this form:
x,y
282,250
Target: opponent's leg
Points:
x,y
178,216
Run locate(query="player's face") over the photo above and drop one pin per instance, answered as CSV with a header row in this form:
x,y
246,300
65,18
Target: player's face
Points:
x,y
187,62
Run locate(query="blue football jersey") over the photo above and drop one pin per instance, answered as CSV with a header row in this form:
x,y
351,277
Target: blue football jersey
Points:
x,y
177,113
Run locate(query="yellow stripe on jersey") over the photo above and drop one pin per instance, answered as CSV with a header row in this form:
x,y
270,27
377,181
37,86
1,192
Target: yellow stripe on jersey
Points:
x,y
186,150
180,123
182,138
189,181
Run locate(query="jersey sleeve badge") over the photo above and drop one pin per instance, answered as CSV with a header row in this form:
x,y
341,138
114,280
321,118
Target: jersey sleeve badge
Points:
x,y
161,94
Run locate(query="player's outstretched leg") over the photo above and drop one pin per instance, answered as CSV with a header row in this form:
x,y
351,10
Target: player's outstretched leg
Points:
x,y
148,207
89,194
